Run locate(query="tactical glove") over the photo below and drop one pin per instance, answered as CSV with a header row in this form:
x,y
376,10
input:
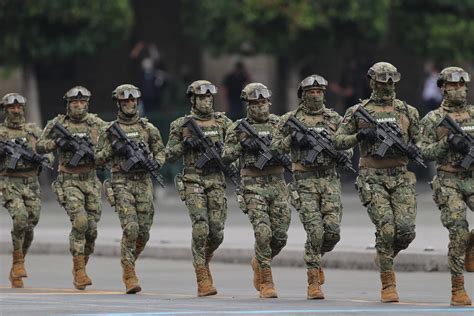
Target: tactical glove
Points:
x,y
368,134
192,143
250,145
458,143
64,144
121,149
412,151
342,158
300,139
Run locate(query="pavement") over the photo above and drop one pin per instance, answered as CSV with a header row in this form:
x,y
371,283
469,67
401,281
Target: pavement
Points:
x,y
171,234
169,289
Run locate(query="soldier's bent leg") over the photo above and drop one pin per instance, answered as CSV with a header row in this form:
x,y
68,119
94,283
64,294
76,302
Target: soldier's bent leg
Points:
x,y
217,214
311,219
331,208
74,206
404,209
33,207
197,206
94,211
280,218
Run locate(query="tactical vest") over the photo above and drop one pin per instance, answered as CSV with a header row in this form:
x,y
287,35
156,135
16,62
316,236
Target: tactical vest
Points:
x,y
86,128
26,133
465,120
138,132
395,113
318,123
215,128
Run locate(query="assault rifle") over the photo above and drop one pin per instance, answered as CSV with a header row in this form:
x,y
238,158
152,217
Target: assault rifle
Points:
x,y
319,142
454,128
138,154
17,150
265,154
390,134
211,151
82,145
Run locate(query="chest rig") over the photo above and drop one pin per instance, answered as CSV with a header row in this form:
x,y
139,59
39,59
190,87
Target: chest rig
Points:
x,y
25,134
396,113
318,123
212,128
86,128
264,130
465,119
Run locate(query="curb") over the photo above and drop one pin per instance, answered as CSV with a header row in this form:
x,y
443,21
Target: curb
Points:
x,y
350,260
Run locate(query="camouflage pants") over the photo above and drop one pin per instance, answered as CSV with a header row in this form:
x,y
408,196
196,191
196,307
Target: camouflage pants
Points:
x,y
207,206
82,202
266,204
134,206
318,202
22,200
452,195
391,205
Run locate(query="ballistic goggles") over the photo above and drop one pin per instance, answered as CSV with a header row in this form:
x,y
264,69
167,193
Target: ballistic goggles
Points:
x,y
129,93
259,93
205,88
77,93
385,76
456,76
12,99
313,81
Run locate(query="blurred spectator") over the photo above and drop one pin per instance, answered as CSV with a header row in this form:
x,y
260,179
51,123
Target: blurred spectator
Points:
x,y
431,95
350,88
233,84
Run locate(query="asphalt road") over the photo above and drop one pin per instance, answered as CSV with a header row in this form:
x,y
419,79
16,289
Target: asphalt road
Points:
x,y
169,288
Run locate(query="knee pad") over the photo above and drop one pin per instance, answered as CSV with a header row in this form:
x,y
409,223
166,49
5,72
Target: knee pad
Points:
x,y
131,230
20,222
405,235
263,234
81,224
200,230
330,241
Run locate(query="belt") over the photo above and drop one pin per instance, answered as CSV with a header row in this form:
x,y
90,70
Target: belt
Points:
x,y
267,179
322,173
21,180
204,171
135,176
459,175
77,176
394,171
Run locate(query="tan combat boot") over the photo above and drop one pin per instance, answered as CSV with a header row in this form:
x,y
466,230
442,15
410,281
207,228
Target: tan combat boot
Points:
x,y
314,285
267,288
458,293
322,277
79,273
86,260
204,284
208,260
257,278
18,264
139,249
130,279
389,287
469,260
15,282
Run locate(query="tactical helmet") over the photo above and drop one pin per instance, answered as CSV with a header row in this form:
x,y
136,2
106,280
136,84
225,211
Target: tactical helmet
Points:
x,y
12,98
312,81
77,93
452,74
125,92
255,91
200,87
383,72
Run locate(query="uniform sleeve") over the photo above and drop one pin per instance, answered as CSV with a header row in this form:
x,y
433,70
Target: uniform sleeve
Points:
x,y
345,137
174,148
431,147
414,129
37,133
338,120
103,151
232,148
281,142
46,143
156,145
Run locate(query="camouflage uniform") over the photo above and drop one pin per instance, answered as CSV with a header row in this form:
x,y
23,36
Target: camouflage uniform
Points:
x,y
385,186
133,190
203,190
77,188
316,192
20,187
453,186
264,192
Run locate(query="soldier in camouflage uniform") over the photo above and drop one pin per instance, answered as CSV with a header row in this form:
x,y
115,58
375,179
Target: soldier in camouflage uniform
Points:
x,y
20,187
132,191
203,190
385,186
316,192
77,187
453,186
264,196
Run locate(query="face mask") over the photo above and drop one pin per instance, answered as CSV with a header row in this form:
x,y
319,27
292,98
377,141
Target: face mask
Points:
x,y
314,102
129,109
204,104
77,112
456,96
16,117
383,91
259,112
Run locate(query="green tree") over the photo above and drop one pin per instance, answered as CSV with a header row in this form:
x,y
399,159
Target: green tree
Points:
x,y
43,31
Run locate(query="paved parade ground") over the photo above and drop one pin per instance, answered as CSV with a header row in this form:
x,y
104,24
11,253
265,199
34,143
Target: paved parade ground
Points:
x,y
169,288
